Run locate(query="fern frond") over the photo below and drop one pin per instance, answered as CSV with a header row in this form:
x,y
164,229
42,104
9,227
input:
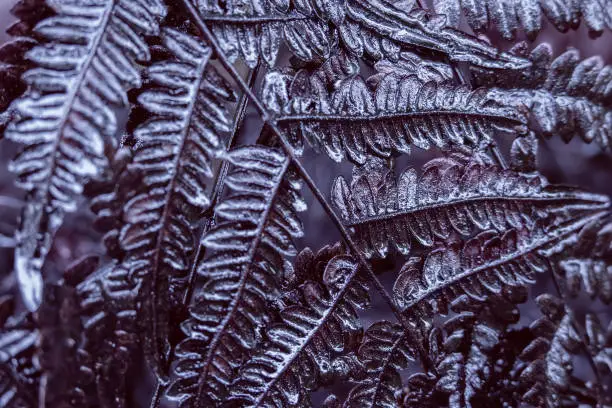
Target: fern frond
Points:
x,y
68,113
301,347
252,30
546,374
174,156
257,224
510,16
384,350
452,195
381,28
356,121
483,265
566,96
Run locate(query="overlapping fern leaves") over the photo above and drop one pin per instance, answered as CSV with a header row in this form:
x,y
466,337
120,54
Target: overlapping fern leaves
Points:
x,y
67,117
257,224
201,271
176,148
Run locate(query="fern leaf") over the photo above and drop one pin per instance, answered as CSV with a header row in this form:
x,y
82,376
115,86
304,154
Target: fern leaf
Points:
x,y
384,351
381,28
401,111
566,96
509,16
252,30
300,348
174,154
483,265
548,358
257,224
67,114
452,195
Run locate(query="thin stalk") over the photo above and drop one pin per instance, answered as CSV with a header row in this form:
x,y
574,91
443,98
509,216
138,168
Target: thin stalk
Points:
x,y
217,190
211,40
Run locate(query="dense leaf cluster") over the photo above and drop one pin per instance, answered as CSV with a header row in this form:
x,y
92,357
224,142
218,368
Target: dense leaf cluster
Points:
x,y
134,118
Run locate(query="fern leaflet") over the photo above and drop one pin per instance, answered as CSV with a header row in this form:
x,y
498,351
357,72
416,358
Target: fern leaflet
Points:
x,y
401,111
252,30
381,28
484,264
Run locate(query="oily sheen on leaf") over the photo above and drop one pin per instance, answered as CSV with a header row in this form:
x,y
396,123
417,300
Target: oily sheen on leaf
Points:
x,y
402,110
68,114
299,348
452,195
176,145
249,246
481,266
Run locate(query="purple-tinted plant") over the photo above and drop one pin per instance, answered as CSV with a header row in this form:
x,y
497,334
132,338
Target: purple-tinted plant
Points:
x,y
173,142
